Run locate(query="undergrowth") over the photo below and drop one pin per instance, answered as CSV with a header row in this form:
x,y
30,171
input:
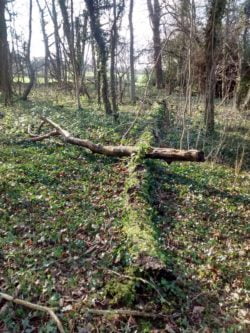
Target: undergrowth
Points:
x,y
67,242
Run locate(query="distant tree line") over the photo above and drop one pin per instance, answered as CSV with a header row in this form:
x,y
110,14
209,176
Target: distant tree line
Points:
x,y
196,49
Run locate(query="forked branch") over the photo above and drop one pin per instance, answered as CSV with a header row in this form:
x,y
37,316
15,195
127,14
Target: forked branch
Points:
x,y
166,154
36,307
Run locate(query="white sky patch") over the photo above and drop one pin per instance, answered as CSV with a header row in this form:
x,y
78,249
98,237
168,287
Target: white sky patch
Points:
x,y
142,29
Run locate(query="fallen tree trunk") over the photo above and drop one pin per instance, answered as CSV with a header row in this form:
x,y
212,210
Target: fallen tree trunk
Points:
x,y
166,154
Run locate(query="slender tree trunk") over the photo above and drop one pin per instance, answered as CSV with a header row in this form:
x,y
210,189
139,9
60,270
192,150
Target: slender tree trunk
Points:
x,y
105,85
131,52
57,43
78,57
99,79
215,15
243,91
94,60
81,54
155,17
5,78
69,33
46,44
189,82
31,70
95,70
114,37
121,87
224,79
100,41
184,46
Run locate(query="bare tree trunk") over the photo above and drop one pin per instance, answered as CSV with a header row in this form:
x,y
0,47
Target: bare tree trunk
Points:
x,y
113,42
75,50
69,33
46,44
99,83
5,78
190,57
131,53
105,85
94,65
224,79
78,58
58,55
100,41
216,12
242,98
31,70
113,47
82,37
121,87
155,18
188,9
184,47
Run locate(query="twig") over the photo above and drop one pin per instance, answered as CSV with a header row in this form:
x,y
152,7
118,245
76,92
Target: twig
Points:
x,y
40,127
30,132
6,305
125,312
35,138
35,307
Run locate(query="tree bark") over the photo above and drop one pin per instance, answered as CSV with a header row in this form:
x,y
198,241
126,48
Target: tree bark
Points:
x,y
167,154
97,32
155,17
216,11
5,78
46,43
57,62
243,89
73,31
31,70
113,45
94,60
131,53
69,34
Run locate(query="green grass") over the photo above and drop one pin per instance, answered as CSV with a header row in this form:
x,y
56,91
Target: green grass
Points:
x,y
62,238
229,143
204,219
57,202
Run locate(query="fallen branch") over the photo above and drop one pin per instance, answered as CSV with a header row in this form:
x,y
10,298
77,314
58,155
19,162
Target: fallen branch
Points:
x,y
166,154
40,127
124,312
34,307
6,305
35,138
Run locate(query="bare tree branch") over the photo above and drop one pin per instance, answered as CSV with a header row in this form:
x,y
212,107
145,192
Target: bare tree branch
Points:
x,y
167,154
34,307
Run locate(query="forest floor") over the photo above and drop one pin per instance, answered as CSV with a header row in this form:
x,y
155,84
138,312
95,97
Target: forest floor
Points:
x,y
64,235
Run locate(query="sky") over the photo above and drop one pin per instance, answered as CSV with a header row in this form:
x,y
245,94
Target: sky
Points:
x,y
142,30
